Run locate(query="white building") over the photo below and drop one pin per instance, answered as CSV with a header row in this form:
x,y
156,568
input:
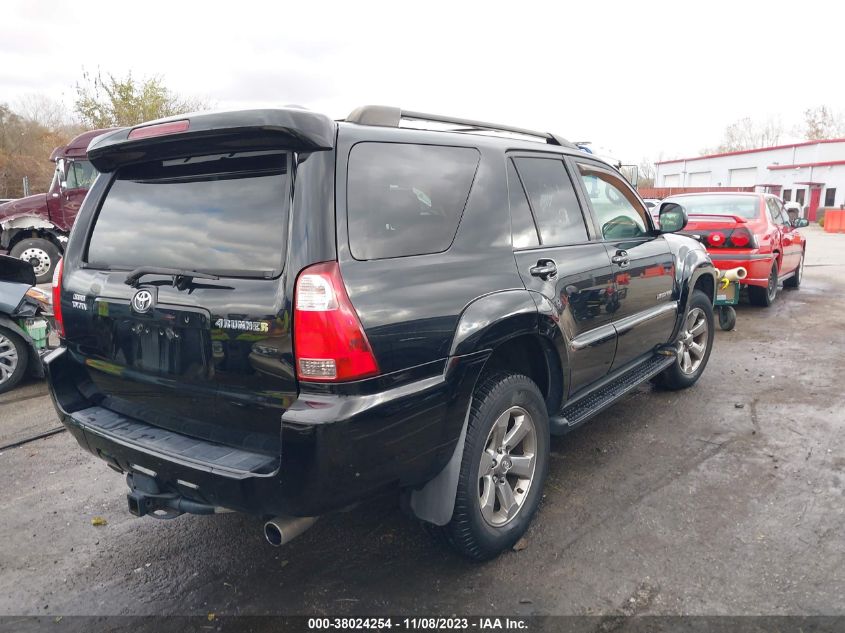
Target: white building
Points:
x,y
811,173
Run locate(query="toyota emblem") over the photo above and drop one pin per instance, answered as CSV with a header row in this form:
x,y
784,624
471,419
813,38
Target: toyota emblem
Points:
x,y
142,301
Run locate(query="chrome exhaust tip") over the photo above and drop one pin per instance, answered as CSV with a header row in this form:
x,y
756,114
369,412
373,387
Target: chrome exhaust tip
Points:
x,y
281,530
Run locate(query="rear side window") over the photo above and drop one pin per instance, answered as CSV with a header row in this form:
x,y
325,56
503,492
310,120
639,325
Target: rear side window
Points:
x,y
522,224
553,201
406,199
222,213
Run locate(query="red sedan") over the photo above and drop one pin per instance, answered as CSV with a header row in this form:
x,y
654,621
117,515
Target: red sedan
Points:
x,y
751,230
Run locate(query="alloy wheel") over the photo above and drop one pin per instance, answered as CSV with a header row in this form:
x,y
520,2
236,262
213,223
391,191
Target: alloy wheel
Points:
x,y
8,358
693,341
508,465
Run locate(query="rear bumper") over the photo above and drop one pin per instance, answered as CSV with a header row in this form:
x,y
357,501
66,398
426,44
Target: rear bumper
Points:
x,y
758,265
336,450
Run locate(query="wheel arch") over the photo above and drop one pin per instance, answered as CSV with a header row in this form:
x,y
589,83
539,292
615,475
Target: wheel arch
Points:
x,y
505,326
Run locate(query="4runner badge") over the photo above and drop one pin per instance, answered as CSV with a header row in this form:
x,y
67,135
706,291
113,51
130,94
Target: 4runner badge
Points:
x,y
142,301
246,326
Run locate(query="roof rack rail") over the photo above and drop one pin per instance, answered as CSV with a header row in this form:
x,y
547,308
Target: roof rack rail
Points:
x,y
389,116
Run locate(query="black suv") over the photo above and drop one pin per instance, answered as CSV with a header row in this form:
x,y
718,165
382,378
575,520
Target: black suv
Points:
x,y
272,312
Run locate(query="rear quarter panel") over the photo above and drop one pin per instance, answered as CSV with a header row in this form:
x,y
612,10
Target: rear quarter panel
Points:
x,y
410,306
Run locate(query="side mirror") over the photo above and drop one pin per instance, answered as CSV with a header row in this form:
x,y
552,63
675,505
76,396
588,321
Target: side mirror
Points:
x,y
798,223
673,217
61,167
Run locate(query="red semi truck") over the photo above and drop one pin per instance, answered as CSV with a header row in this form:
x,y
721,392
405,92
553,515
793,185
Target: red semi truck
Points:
x,y
35,228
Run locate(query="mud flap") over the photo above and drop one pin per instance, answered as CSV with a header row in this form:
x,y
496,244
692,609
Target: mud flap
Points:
x,y
435,501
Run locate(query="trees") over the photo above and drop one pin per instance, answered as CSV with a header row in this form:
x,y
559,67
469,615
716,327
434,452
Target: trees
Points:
x,y
746,133
110,101
27,136
35,124
821,123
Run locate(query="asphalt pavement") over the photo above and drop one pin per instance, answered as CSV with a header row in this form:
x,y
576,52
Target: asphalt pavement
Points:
x,y
723,499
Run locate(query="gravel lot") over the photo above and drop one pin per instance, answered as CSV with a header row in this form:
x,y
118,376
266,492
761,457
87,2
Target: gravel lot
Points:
x,y
724,499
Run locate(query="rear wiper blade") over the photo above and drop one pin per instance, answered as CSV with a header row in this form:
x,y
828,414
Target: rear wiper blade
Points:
x,y
181,278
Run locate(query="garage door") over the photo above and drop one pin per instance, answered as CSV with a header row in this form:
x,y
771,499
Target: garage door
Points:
x,y
672,180
746,177
699,179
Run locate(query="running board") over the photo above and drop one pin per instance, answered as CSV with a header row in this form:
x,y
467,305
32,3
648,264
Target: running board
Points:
x,y
609,391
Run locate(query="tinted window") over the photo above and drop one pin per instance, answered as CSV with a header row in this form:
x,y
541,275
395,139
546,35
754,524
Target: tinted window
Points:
x,y
618,210
553,201
405,199
830,197
209,213
743,206
522,224
787,195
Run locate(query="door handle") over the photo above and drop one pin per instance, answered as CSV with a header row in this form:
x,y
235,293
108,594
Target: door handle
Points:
x,y
621,259
544,269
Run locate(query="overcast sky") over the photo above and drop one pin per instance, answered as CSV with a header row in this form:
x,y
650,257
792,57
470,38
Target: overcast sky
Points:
x,y
639,79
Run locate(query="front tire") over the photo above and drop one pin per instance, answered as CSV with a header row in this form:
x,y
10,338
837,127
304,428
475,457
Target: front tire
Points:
x,y
14,356
695,344
503,469
41,253
764,297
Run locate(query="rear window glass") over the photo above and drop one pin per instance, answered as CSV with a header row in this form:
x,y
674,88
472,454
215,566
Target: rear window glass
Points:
x,y
406,199
221,213
743,206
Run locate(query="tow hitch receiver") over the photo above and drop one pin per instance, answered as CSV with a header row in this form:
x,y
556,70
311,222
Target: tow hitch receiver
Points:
x,y
146,498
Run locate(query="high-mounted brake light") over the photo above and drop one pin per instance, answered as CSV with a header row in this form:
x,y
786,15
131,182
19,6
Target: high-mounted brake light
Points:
x,y
329,342
159,129
57,297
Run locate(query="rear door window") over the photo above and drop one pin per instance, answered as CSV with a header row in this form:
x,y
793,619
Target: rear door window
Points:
x,y
225,214
523,229
553,201
406,199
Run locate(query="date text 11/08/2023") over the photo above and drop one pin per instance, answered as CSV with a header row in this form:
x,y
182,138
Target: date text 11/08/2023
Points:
x,y
420,624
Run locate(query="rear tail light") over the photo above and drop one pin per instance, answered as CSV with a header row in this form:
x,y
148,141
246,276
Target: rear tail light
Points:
x,y
159,129
716,239
329,342
57,297
742,238
736,238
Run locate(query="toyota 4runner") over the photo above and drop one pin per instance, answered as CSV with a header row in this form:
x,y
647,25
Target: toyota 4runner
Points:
x,y
275,313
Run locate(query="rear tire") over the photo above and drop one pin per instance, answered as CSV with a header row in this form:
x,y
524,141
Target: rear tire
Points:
x,y
41,253
500,483
696,343
795,280
14,357
764,297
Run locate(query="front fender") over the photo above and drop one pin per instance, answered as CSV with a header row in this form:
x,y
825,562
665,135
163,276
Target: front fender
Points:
x,y
693,263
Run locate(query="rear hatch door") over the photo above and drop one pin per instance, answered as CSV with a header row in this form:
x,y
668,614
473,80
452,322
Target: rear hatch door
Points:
x,y
176,305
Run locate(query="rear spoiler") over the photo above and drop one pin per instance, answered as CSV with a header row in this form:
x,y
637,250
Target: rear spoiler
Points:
x,y
726,216
213,133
